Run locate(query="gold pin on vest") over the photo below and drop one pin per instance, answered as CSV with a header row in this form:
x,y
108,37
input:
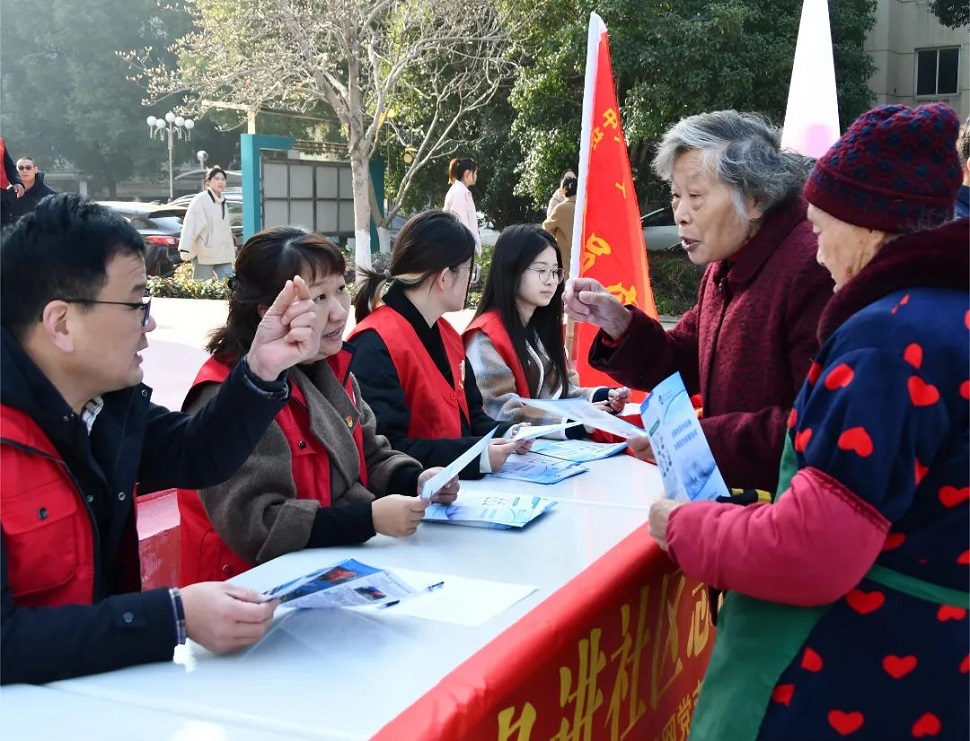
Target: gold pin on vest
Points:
x,y
350,421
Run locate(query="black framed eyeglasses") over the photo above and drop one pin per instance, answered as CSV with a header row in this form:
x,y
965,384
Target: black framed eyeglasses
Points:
x,y
145,305
547,274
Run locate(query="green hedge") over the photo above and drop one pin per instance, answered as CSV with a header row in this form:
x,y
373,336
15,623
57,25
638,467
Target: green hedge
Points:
x,y
181,285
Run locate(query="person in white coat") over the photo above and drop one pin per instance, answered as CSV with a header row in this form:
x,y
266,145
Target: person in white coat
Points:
x,y
206,237
463,173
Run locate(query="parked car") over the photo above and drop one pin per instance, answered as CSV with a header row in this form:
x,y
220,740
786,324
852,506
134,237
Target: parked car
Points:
x,y
660,229
160,226
234,203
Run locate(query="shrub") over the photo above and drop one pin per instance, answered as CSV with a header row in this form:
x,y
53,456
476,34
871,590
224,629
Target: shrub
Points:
x,y
675,280
182,285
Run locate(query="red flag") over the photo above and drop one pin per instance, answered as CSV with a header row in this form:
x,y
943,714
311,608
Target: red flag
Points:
x,y
607,237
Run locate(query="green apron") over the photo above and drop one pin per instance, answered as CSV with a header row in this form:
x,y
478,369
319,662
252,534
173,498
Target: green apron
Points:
x,y
758,640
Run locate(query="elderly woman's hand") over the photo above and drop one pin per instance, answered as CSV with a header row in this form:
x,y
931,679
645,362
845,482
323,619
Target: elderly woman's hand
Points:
x,y
587,301
660,517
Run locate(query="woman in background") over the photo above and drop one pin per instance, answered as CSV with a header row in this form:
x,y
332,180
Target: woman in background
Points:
x,y
462,174
206,237
515,342
411,363
321,475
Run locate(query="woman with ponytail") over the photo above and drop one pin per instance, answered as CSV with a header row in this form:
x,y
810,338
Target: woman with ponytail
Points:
x,y
410,361
462,174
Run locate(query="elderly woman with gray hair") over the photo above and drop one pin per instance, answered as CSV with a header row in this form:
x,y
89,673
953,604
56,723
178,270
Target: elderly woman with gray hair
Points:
x,y
748,342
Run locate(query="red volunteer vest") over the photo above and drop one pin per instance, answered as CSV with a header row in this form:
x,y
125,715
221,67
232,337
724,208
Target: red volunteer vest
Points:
x,y
436,407
491,324
204,555
45,522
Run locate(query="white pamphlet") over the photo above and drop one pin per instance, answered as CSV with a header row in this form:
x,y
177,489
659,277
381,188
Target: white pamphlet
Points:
x,y
679,446
531,432
433,485
589,414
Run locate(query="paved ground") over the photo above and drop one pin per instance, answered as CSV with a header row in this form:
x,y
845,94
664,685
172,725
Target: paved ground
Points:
x,y
175,349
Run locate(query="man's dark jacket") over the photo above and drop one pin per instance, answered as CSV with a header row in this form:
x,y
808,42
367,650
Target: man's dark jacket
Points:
x,y
38,191
132,441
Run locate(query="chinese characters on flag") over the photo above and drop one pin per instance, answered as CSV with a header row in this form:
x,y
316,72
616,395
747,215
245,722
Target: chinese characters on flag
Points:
x,y
608,241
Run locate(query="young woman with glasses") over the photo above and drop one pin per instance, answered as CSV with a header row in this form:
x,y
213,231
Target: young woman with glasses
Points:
x,y
410,361
515,343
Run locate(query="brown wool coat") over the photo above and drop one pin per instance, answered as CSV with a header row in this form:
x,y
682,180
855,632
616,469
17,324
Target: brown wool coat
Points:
x,y
257,512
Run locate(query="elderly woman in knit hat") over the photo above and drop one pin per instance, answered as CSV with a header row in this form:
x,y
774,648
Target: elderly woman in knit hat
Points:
x,y
848,610
747,343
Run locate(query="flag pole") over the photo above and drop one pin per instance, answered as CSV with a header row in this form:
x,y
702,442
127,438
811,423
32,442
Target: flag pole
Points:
x,y
596,30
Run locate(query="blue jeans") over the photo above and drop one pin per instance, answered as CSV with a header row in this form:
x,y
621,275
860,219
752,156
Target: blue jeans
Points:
x,y
204,272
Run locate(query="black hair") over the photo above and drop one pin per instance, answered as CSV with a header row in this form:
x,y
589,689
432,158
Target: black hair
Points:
x,y
570,173
264,264
569,186
428,243
213,171
459,166
59,250
515,250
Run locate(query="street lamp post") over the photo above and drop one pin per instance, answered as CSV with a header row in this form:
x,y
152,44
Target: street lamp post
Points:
x,y
169,127
202,156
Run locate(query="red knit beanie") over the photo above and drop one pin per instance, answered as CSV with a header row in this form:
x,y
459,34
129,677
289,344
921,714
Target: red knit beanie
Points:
x,y
896,169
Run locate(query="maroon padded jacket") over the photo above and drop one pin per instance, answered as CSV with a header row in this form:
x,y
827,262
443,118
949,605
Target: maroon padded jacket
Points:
x,y
745,346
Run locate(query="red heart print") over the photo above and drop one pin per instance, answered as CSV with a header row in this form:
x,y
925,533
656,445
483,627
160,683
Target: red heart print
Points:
x,y
965,664
902,302
964,558
920,471
949,612
951,497
801,440
846,723
839,377
793,418
898,666
966,319
913,354
811,661
865,602
965,389
814,371
921,393
927,725
857,440
783,693
893,541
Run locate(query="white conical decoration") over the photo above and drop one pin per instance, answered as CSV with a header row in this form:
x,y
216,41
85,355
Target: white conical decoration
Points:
x,y
812,118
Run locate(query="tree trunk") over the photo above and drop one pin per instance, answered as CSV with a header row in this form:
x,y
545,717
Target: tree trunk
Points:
x,y
384,237
360,178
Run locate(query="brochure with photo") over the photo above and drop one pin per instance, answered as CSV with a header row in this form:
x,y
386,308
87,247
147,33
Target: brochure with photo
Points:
x,y
538,469
495,511
577,451
685,460
349,583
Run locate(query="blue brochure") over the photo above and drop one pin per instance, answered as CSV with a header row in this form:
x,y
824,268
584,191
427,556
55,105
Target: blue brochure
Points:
x,y
683,455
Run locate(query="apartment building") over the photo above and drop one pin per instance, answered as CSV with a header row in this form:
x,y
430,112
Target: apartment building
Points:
x,y
918,60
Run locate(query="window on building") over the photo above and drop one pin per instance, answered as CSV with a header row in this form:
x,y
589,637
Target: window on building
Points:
x,y
937,71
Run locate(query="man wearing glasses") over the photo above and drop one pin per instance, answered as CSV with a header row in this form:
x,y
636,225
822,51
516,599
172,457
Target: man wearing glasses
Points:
x,y
34,188
78,432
